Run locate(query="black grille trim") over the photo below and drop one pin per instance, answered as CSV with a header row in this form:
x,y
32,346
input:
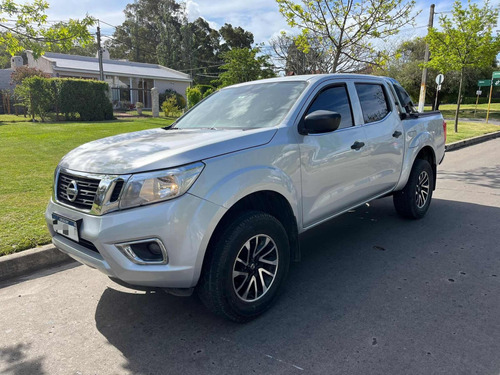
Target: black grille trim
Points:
x,y
87,190
117,190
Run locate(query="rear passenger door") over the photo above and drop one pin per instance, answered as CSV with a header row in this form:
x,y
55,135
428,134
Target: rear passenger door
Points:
x,y
384,136
333,168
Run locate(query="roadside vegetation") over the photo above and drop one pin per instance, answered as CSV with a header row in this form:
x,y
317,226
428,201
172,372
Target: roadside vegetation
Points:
x,y
30,153
467,111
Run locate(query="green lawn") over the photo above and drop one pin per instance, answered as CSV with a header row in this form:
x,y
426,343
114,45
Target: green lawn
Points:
x,y
29,152
467,111
468,130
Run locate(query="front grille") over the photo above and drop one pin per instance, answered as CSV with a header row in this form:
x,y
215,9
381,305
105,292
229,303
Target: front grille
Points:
x,y
87,190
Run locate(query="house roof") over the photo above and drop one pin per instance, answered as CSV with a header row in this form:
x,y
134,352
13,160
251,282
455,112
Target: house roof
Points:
x,y
85,64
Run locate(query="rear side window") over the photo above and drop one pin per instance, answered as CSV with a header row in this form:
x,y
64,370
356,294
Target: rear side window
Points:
x,y
404,99
334,99
373,100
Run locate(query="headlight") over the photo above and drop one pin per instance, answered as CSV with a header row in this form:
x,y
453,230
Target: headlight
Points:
x,y
151,187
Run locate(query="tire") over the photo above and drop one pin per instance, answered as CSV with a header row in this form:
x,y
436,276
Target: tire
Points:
x,y
414,200
233,285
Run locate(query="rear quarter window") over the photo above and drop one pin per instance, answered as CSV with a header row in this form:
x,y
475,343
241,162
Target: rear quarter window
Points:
x,y
373,100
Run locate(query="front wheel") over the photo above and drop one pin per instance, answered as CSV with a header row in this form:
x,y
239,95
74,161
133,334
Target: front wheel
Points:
x,y
246,267
414,200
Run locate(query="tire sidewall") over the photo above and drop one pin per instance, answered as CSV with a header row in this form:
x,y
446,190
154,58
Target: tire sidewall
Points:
x,y
257,224
420,166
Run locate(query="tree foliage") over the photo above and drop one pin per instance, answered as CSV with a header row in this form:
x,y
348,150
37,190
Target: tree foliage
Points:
x,y
31,30
406,67
159,32
347,29
23,72
243,65
465,40
292,60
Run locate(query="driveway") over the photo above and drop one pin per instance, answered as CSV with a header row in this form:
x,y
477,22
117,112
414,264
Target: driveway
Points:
x,y
374,294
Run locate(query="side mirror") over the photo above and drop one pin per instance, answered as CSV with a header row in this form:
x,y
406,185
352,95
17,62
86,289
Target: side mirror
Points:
x,y
319,122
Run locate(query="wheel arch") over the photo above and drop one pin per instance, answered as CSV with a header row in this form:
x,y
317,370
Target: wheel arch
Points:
x,y
427,153
267,201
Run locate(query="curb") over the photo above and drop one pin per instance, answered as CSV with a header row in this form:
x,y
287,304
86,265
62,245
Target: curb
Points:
x,y
471,141
29,261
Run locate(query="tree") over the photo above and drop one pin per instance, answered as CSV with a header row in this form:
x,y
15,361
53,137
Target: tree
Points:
x,y
235,37
159,32
30,29
347,29
465,40
22,72
293,60
243,65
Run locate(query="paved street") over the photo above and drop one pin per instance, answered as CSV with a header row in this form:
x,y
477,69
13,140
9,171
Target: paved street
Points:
x,y
374,294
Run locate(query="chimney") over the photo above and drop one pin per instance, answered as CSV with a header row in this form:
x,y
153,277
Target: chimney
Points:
x,y
16,61
105,54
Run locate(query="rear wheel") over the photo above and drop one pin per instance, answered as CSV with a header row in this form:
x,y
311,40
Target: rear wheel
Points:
x,y
248,264
414,200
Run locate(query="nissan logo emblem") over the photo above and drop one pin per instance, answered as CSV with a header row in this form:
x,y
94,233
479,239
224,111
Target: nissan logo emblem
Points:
x,y
72,191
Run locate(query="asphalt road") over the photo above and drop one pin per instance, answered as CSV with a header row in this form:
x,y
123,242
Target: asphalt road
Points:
x,y
374,294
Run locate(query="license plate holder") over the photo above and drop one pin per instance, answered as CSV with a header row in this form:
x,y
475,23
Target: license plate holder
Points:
x,y
66,227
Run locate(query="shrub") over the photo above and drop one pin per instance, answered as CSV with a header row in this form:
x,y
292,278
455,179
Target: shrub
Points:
x,y
193,95
87,98
204,88
180,100
139,105
68,96
208,92
169,106
38,95
22,72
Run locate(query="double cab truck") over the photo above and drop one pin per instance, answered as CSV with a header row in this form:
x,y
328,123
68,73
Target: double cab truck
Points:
x,y
217,201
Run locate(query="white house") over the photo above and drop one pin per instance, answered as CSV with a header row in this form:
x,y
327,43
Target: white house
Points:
x,y
129,81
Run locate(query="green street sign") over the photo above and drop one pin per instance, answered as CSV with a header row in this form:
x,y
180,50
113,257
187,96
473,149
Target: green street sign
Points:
x,y
484,82
496,82
496,75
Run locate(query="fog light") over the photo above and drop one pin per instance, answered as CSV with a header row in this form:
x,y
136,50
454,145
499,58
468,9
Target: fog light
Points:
x,y
154,248
150,251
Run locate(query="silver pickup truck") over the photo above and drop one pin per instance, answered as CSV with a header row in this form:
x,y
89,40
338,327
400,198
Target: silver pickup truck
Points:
x,y
217,201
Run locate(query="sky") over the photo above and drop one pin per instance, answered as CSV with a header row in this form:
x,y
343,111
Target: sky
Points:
x,y
261,17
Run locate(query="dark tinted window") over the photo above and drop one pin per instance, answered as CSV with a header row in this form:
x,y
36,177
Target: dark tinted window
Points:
x,y
373,101
334,99
405,99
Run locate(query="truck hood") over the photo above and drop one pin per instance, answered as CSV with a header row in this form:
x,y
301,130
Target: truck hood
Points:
x,y
155,149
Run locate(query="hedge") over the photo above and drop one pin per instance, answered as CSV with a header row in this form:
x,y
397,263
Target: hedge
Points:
x,y
71,97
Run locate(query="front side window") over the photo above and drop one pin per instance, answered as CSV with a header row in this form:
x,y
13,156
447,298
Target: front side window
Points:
x,y
334,99
373,100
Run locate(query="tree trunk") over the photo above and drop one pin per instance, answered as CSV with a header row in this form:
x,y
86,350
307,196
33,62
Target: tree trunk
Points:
x,y
458,100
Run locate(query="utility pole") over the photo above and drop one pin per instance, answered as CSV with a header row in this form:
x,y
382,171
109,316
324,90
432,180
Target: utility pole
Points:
x,y
99,52
421,98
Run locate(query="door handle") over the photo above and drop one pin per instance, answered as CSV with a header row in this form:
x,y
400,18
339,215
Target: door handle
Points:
x,y
357,145
397,134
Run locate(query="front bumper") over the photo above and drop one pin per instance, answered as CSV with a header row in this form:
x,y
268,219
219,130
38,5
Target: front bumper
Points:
x,y
184,225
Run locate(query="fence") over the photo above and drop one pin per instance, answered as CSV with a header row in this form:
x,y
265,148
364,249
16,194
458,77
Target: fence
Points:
x,y
125,98
9,105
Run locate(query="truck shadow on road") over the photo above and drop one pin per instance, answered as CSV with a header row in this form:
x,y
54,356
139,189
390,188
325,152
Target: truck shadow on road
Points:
x,y
373,294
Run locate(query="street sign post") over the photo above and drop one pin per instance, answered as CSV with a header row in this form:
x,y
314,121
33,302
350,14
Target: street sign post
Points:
x,y
484,82
439,81
495,81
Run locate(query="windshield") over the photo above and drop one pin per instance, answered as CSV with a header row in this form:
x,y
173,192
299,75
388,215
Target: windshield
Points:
x,y
251,106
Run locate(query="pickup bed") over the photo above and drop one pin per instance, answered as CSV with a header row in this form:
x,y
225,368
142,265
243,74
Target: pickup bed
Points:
x,y
216,202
